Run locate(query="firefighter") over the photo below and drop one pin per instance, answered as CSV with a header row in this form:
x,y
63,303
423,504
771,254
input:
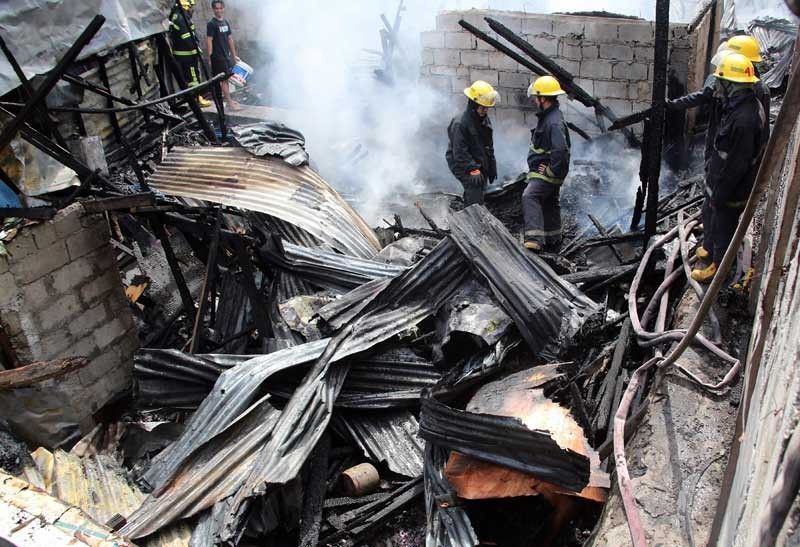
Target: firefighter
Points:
x,y
184,44
738,146
470,154
548,164
748,46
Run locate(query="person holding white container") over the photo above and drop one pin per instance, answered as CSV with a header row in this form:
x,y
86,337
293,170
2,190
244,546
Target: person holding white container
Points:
x,y
221,49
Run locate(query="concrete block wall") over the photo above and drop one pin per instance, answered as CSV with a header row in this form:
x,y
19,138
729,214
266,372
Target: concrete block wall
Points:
x,y
61,296
610,58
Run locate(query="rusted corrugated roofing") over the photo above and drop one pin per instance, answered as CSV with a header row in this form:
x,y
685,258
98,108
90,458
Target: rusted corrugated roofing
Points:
x,y
298,195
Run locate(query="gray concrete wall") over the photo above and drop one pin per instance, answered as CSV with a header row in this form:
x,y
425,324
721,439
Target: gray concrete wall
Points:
x,y
61,296
610,58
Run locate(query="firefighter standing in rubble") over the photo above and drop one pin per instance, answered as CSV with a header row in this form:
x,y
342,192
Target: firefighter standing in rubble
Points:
x,y
184,44
470,154
741,136
548,164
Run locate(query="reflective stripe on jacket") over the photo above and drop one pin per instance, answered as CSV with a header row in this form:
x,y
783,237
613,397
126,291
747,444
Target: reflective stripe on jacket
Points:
x,y
550,146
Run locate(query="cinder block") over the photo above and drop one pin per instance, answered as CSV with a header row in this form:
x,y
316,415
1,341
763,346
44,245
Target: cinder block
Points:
x,y
643,54
515,80
620,107
36,295
517,98
636,31
21,246
99,287
432,39
72,275
92,221
100,366
45,234
586,85
117,303
514,22
678,31
629,71
501,61
460,40
536,25
679,57
595,70
84,347
616,52
424,70
487,75
56,315
84,324
573,67
570,49
459,84
440,83
47,260
546,44
568,26
483,46
68,220
446,57
589,53
462,72
85,241
9,321
443,70
611,90
509,117
4,265
10,297
128,345
106,334
600,30
426,58
54,345
448,20
475,59
640,91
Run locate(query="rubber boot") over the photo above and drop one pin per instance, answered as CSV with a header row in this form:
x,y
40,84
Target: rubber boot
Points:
x,y
706,274
203,102
701,253
533,246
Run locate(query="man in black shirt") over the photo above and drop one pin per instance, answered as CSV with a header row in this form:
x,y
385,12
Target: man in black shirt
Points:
x,y
221,48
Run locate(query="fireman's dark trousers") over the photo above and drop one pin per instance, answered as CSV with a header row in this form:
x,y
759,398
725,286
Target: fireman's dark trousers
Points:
x,y
190,70
719,225
474,187
541,211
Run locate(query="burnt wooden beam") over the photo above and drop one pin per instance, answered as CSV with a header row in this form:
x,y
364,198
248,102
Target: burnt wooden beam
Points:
x,y
211,272
604,233
566,79
502,48
611,240
30,213
28,91
656,126
631,119
257,302
599,274
10,130
119,203
189,99
614,377
161,233
133,56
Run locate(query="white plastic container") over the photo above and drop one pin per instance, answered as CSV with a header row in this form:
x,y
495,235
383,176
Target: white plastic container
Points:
x,y
241,74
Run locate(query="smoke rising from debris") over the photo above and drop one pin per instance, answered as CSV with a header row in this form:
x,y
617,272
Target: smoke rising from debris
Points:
x,y
372,140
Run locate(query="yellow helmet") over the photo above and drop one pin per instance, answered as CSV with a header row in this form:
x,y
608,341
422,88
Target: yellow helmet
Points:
x,y
735,67
747,46
186,4
545,86
482,93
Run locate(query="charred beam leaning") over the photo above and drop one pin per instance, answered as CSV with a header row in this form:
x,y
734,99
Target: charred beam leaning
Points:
x,y
50,81
566,79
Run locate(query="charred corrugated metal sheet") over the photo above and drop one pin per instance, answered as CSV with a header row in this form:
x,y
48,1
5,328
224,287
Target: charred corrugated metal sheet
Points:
x,y
547,310
209,475
448,523
298,195
333,270
409,298
344,309
505,441
390,436
397,369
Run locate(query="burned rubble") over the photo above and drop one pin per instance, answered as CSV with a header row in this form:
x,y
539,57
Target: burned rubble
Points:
x,y
300,377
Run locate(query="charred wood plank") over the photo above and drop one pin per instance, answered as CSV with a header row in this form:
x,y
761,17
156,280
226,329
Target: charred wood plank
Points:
x,y
614,377
604,233
121,203
50,81
211,272
161,233
631,119
657,119
599,274
502,48
566,79
613,240
30,213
